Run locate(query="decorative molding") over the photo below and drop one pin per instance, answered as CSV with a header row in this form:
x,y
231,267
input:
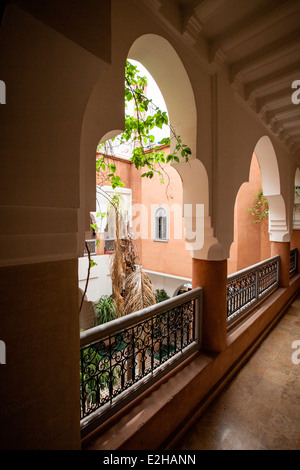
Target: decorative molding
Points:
x,y
267,55
273,98
208,8
245,30
279,79
218,57
284,112
192,29
39,234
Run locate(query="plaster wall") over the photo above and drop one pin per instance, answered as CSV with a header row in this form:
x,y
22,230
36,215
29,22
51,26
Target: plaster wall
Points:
x,y
99,282
171,257
47,90
62,98
40,380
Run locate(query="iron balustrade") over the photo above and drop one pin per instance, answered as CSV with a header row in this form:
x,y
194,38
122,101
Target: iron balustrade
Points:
x,y
249,286
293,261
124,357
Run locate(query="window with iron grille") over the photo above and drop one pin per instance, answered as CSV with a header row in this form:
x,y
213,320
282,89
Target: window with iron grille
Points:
x,y
92,246
161,225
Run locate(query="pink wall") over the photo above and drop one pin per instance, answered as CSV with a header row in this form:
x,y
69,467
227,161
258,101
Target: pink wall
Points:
x,y
170,257
251,241
166,257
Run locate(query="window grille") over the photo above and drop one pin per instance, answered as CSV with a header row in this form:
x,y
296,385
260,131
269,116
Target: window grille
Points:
x,y
161,225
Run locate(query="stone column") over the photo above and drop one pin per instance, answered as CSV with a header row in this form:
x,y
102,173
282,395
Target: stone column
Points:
x,y
212,276
283,250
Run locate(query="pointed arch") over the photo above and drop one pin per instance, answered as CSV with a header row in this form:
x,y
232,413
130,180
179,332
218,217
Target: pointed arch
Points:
x,y
163,63
296,208
249,229
265,153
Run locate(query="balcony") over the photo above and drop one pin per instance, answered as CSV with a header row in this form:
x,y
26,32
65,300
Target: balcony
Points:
x,y
121,359
144,409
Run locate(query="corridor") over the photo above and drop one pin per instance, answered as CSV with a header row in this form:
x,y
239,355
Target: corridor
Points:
x,y
260,408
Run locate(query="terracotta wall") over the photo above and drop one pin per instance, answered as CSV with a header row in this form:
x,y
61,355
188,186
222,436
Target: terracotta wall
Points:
x,y
251,240
125,169
170,257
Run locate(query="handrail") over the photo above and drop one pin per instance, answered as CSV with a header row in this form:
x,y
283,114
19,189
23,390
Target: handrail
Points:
x,y
101,331
249,286
252,267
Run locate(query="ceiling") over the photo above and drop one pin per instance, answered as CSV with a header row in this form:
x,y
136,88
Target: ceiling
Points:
x,y
259,42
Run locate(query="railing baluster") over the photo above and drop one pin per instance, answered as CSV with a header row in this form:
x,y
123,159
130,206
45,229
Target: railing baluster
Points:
x,y
293,261
245,288
110,372
152,344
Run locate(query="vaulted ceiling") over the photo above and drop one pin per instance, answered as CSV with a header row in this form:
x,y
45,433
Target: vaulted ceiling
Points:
x,y
258,41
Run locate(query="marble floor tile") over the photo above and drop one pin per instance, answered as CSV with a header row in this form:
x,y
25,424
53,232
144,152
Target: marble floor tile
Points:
x,y
260,408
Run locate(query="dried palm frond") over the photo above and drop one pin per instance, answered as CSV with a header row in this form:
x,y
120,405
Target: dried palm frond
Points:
x,y
139,291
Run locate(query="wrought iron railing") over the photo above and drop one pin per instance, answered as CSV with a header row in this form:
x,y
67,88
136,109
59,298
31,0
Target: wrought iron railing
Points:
x,y
293,261
248,287
122,358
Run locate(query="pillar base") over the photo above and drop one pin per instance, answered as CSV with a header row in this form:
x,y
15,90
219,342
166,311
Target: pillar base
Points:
x,y
283,250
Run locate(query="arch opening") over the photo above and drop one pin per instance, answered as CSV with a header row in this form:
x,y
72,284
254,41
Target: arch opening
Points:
x,y
259,210
278,227
162,61
296,206
251,238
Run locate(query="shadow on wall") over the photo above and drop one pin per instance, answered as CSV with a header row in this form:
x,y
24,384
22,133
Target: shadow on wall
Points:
x,y
87,314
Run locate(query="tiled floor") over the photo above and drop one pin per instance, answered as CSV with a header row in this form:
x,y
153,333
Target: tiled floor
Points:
x,y
260,407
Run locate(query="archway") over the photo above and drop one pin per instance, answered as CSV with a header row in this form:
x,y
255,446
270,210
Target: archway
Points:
x,y
251,239
263,186
278,228
296,207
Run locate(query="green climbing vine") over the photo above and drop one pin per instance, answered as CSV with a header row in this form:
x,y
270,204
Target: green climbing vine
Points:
x,y
260,208
139,127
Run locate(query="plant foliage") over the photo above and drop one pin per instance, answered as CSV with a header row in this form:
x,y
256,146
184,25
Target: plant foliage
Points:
x,y
161,295
105,310
260,209
139,132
